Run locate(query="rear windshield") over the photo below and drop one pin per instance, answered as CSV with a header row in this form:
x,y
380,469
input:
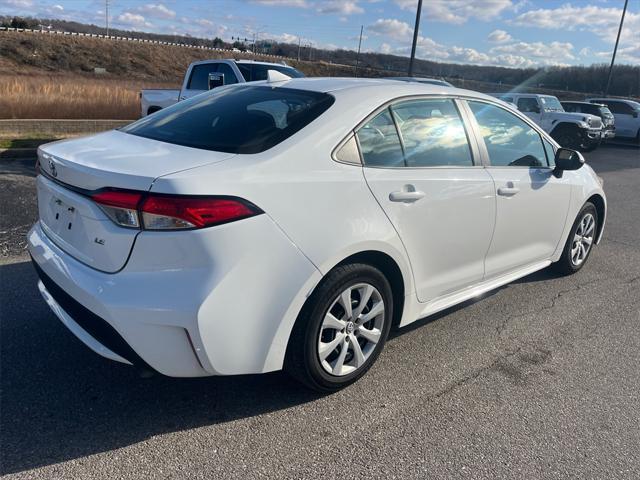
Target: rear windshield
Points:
x,y
236,119
255,72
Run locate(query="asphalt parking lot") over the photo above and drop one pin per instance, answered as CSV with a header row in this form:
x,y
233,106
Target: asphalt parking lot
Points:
x,y
540,379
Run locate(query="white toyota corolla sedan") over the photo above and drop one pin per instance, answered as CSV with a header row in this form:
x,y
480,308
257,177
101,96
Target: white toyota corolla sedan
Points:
x,y
291,224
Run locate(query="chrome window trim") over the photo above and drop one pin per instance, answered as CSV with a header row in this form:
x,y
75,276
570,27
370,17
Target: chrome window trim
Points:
x,y
470,136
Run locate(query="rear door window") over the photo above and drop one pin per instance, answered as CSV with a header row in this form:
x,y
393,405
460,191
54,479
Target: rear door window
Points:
x,y
247,119
619,107
200,75
432,133
379,142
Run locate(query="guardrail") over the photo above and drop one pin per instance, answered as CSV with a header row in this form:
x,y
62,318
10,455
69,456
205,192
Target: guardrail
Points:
x,y
139,40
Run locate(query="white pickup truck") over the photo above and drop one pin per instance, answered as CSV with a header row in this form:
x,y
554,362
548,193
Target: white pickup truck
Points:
x,y
571,130
208,74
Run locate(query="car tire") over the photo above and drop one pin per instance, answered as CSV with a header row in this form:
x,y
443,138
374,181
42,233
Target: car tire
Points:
x,y
582,236
310,357
590,146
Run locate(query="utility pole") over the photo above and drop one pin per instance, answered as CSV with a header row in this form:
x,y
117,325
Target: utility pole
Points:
x,y
359,45
615,50
415,38
106,14
298,47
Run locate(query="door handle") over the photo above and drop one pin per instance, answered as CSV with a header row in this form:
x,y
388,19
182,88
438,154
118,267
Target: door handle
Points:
x,y
406,196
508,191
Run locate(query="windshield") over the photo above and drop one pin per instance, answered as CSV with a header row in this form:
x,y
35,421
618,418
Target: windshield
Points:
x,y
551,104
234,119
605,112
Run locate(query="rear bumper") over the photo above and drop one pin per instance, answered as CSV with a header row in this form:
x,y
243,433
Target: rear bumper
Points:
x,y
92,330
219,301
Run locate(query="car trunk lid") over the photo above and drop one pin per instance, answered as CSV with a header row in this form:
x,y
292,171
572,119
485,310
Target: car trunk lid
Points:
x,y
73,170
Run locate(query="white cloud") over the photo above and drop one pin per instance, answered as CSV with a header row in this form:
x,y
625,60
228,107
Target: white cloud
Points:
x,y
133,20
283,3
203,22
156,11
282,38
340,7
629,54
499,36
596,20
459,11
17,3
385,48
391,27
545,53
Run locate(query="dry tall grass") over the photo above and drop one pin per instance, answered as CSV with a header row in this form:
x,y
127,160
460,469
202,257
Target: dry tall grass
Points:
x,y
71,96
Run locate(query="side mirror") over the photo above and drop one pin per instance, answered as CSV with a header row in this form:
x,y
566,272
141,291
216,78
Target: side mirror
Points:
x,y
216,80
567,159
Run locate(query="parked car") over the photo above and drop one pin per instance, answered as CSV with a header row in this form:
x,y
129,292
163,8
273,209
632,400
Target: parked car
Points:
x,y
626,113
291,224
597,109
198,76
571,130
429,81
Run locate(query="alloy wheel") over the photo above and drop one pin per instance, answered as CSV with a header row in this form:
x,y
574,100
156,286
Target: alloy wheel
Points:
x,y
583,239
351,329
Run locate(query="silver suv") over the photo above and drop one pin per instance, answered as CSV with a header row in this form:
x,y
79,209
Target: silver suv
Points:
x,y
626,113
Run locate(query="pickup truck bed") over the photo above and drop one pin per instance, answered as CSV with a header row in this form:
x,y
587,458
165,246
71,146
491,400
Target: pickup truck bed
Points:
x,y
156,99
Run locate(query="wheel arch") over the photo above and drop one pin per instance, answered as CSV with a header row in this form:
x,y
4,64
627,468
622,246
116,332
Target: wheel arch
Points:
x,y
390,269
563,126
601,210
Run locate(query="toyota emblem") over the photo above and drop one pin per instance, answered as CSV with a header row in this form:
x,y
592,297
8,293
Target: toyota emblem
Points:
x,y
52,168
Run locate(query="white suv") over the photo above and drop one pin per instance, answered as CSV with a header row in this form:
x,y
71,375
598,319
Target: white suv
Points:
x,y
571,130
626,113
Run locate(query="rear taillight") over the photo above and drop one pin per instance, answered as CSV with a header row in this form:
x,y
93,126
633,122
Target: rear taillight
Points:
x,y
171,212
121,206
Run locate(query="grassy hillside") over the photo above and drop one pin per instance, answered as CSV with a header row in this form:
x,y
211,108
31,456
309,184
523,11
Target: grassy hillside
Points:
x,y
52,76
44,76
37,53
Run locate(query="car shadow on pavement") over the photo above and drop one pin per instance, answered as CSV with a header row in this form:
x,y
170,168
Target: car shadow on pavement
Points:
x,y
60,401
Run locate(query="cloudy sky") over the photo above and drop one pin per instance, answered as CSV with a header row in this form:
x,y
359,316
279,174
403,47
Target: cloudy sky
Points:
x,y
513,33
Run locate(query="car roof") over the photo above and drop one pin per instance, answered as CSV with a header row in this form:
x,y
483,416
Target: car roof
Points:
x,y
418,79
241,61
335,84
254,62
611,99
580,102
